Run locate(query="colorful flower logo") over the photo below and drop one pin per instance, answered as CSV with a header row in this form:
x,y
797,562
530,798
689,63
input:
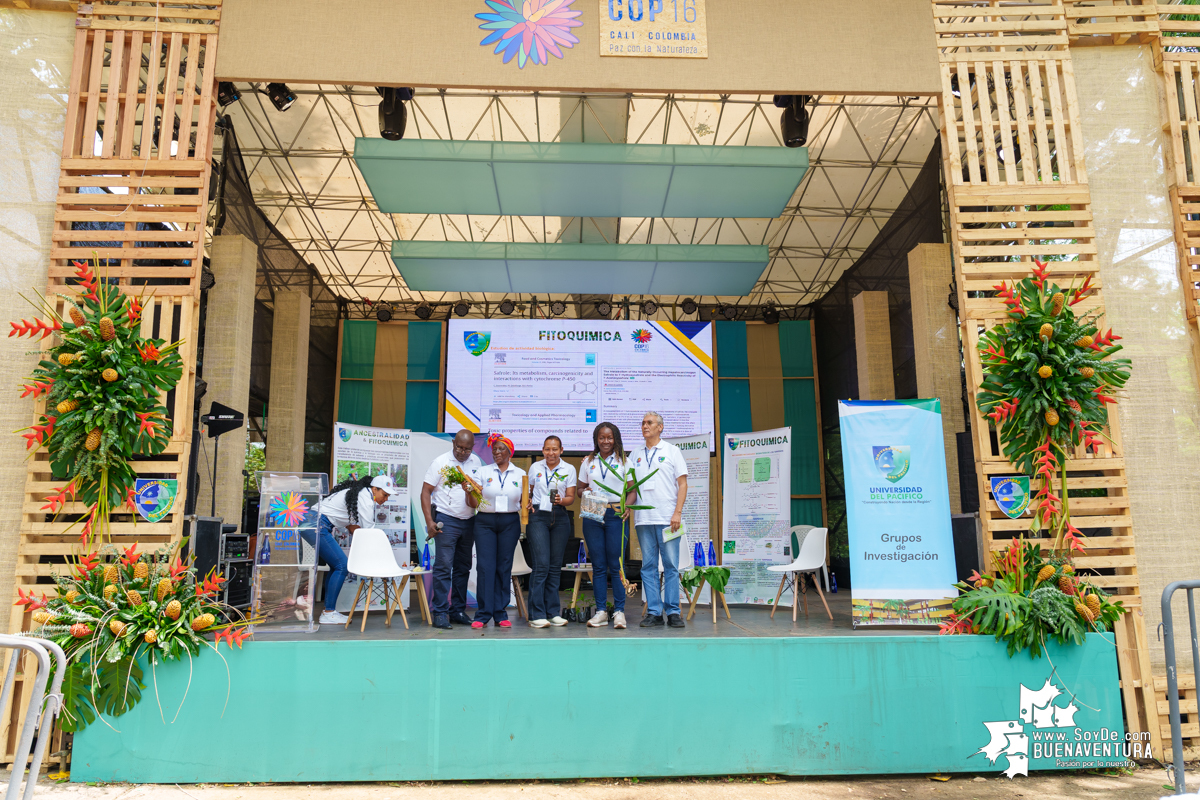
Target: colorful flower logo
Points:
x,y
530,29
289,509
642,335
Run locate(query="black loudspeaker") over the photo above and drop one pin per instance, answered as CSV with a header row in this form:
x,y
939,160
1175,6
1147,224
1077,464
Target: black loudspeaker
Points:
x,y
966,545
206,545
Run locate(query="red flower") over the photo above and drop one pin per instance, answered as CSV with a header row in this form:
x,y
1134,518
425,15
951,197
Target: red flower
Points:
x,y
135,310
233,636
149,352
177,568
210,586
59,498
1082,290
87,564
148,425
28,600
37,388
31,328
1040,271
1008,298
129,555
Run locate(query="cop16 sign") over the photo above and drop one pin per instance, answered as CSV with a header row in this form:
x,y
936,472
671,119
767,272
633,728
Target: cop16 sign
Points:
x,y
653,28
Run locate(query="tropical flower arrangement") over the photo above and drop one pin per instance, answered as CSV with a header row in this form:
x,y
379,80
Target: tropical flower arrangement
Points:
x,y
1031,599
102,382
117,607
1048,378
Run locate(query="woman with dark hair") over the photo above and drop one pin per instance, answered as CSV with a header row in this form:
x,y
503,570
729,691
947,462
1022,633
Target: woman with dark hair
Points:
x,y
351,505
551,490
497,531
605,540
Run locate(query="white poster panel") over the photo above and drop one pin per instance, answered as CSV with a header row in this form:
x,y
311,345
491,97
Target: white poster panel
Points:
x,y
756,517
359,451
696,507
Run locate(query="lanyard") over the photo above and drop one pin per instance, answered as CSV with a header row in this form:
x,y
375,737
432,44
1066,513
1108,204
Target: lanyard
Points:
x,y
502,476
650,456
604,467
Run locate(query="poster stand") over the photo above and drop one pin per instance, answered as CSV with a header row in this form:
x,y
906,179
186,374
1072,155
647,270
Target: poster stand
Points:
x,y
285,554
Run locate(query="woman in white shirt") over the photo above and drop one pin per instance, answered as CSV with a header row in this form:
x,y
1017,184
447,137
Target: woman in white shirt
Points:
x,y
605,540
551,490
497,531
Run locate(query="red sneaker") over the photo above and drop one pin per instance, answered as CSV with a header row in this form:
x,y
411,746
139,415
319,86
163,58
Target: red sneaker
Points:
x,y
476,624
505,624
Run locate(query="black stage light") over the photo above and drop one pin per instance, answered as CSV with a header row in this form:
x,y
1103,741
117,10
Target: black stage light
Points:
x,y
794,122
604,309
281,96
507,307
207,279
461,308
424,311
770,315
728,311
383,312
393,114
649,308
227,93
558,308
689,306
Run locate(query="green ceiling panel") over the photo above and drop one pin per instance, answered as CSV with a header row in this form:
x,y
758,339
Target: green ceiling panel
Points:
x,y
579,268
434,176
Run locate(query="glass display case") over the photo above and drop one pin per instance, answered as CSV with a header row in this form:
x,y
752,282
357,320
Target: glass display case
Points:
x,y
285,553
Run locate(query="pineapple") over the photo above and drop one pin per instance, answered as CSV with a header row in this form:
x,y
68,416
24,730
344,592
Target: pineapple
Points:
x,y
1045,372
80,630
1056,303
134,598
109,375
203,621
42,617
165,587
1046,331
1087,372
1045,573
93,439
117,627
173,609
67,406
1066,585
111,573
107,329
67,359
110,592
1084,341
1093,604
151,637
1051,417
77,316
141,571
71,596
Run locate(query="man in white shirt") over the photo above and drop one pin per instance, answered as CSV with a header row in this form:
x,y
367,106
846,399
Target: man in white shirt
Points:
x,y
659,527
454,542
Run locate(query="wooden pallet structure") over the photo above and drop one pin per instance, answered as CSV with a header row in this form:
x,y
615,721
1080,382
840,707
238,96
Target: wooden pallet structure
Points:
x,y
133,193
1017,190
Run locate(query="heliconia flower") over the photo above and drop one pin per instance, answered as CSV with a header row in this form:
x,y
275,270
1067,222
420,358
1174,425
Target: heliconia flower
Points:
x,y
129,555
1040,271
28,600
131,499
149,352
59,498
177,569
1008,298
1102,340
533,29
1082,291
148,425
31,328
37,388
88,563
134,312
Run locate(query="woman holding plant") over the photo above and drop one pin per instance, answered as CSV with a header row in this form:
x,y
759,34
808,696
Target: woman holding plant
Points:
x,y
605,467
497,530
551,490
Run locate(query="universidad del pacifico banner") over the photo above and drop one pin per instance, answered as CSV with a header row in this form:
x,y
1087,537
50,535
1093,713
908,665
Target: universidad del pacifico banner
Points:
x,y
898,511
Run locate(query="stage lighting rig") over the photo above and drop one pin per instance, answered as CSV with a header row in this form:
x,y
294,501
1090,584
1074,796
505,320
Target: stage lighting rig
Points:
x,y
557,308
281,96
393,113
383,312
689,306
770,314
507,307
649,308
728,312
604,309
227,93
793,124
462,308
424,311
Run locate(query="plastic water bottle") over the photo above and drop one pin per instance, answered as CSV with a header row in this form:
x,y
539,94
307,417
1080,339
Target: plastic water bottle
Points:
x,y
698,555
712,554
582,554
832,582
425,557
264,556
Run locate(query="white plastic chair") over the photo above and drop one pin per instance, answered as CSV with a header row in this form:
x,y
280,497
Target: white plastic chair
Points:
x,y
520,567
372,559
809,560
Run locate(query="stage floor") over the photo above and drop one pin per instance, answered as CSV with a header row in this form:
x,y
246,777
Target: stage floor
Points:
x,y
747,621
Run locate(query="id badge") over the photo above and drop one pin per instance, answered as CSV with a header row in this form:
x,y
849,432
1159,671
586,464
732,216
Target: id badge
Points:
x,y
545,504
501,504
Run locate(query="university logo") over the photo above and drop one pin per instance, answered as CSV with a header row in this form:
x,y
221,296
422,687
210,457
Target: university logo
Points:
x,y
733,443
1012,494
345,434
892,461
530,30
155,497
477,342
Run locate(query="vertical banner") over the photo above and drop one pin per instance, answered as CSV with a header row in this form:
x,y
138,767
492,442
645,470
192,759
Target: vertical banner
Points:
x,y
359,451
756,517
696,507
898,511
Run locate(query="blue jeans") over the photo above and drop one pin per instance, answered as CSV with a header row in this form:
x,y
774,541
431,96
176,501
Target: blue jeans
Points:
x,y
452,564
332,554
548,532
496,537
604,541
650,537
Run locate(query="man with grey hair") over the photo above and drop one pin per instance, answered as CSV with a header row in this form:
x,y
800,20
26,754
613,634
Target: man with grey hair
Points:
x,y
659,526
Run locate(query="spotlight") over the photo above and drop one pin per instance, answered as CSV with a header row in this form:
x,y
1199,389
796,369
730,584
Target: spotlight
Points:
x,y
604,309
393,114
689,306
424,311
770,315
227,93
281,96
207,279
794,122
649,308
558,308
728,311
383,312
461,308
507,307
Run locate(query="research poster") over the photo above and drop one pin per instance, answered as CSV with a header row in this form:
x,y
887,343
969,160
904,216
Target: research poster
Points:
x,y
898,511
530,377
359,451
696,506
756,517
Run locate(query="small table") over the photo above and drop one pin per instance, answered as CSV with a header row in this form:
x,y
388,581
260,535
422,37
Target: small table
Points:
x,y
694,598
578,569
418,575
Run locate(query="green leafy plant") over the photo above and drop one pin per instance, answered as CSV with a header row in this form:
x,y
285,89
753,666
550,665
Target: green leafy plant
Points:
x,y
716,576
631,483
1048,377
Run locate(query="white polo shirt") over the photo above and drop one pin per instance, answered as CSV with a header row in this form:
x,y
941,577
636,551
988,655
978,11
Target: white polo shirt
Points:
x,y
594,470
334,507
542,479
501,490
661,491
452,501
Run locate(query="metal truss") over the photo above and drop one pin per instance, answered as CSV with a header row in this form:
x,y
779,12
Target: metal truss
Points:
x,y
864,153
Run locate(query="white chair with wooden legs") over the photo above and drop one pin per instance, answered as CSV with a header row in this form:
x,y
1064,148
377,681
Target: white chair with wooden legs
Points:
x,y
520,567
810,559
371,559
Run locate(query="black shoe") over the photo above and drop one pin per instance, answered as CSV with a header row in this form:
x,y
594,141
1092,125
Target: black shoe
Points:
x,y
675,621
651,621
460,618
441,621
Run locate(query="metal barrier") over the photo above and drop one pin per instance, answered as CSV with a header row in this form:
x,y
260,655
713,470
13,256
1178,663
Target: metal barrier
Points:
x,y
39,718
1168,625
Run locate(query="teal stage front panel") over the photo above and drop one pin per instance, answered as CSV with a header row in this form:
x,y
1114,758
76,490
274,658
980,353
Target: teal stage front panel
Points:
x,y
309,711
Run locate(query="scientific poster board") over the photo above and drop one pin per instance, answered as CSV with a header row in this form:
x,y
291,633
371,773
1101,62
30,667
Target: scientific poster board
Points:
x,y
359,450
756,519
898,511
696,506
